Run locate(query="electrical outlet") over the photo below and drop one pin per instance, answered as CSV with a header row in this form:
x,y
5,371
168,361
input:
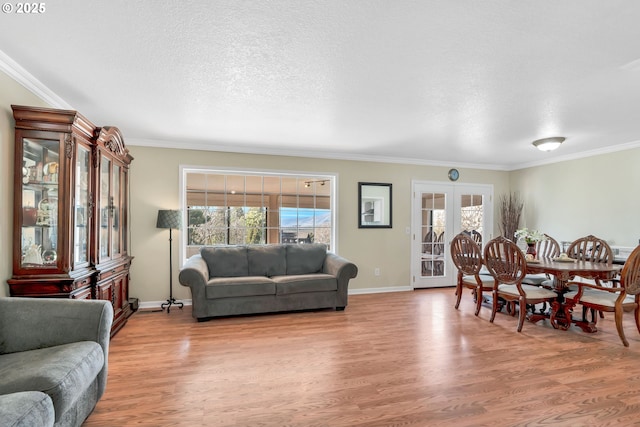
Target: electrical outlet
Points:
x,y
376,271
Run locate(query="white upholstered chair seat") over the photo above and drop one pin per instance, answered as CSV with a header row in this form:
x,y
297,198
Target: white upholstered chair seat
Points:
x,y
487,281
594,296
532,292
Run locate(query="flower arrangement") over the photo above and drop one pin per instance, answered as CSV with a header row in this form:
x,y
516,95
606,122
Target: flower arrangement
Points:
x,y
530,236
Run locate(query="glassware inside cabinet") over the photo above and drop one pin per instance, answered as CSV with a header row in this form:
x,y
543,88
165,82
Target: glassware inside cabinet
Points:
x,y
81,206
40,171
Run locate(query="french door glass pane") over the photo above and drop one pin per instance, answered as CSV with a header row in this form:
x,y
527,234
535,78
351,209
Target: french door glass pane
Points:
x,y
472,216
433,225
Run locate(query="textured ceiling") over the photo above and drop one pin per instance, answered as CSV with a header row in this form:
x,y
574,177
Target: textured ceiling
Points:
x,y
436,82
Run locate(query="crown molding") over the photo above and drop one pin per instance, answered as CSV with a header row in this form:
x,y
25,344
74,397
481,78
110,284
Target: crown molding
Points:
x,y
581,155
26,79
206,146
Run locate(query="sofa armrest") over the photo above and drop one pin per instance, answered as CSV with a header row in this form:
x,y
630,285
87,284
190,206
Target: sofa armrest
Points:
x,y
32,323
343,270
194,273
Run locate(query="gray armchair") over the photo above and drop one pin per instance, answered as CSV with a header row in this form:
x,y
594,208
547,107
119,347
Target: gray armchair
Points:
x,y
58,347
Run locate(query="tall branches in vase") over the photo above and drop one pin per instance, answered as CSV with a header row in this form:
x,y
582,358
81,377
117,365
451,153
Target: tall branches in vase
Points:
x,y
510,211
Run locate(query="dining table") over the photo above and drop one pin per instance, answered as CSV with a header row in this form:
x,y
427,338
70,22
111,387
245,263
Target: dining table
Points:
x,y
564,271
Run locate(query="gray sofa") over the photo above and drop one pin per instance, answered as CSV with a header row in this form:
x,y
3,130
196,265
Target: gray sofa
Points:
x,y
230,280
53,360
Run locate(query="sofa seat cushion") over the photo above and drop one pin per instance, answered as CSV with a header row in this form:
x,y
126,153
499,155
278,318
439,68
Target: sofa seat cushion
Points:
x,y
26,409
296,284
226,261
230,287
64,372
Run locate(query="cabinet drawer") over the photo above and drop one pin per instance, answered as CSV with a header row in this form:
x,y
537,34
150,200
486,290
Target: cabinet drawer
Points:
x,y
84,293
109,273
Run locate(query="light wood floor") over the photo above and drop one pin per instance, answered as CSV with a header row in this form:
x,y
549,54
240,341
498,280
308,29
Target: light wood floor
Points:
x,y
393,359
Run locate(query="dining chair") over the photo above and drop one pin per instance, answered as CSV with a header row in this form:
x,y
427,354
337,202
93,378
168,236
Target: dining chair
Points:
x,y
549,248
477,237
591,249
467,257
427,242
506,263
438,249
427,251
617,299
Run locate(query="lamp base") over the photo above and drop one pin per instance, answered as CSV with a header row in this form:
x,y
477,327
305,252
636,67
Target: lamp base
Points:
x,y
171,301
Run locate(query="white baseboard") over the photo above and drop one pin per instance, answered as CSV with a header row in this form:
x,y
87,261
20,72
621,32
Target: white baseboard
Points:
x,y
150,305
380,290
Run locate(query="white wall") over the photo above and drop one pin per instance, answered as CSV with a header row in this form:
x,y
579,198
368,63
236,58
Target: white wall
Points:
x,y
154,185
597,195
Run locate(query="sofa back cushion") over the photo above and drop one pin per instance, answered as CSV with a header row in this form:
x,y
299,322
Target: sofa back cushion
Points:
x,y
305,258
267,260
226,261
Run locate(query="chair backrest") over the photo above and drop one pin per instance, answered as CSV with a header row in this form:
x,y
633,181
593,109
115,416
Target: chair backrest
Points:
x,y
505,261
630,275
427,242
439,246
549,248
466,254
477,237
590,248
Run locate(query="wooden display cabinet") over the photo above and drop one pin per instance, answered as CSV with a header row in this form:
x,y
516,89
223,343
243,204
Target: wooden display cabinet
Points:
x,y
112,262
70,209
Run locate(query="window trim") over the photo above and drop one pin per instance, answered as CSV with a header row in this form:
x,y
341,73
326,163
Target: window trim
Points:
x,y
185,169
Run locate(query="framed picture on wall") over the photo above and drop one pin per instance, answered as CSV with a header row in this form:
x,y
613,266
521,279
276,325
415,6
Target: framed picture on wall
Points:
x,y
374,205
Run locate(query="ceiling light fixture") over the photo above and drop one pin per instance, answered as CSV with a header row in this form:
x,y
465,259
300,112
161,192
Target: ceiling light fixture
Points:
x,y
548,144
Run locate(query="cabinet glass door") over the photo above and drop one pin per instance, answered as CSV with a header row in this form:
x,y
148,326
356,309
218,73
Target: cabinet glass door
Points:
x,y
115,209
81,207
40,177
103,220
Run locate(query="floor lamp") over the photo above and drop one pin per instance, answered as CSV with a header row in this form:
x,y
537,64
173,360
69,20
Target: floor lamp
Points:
x,y
169,219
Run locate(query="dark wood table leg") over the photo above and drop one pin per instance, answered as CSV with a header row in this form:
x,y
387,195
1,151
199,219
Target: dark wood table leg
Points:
x,y
586,326
560,315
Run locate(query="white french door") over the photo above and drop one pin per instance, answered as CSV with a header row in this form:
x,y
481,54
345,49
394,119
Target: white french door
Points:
x,y
440,210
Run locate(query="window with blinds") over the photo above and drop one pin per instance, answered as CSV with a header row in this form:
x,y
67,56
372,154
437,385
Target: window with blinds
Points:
x,y
241,207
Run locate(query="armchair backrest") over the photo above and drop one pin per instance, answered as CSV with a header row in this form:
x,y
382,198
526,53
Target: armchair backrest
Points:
x,y
630,275
466,254
549,248
505,261
590,248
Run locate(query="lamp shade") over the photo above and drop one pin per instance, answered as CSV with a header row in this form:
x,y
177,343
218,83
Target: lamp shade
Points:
x,y
168,218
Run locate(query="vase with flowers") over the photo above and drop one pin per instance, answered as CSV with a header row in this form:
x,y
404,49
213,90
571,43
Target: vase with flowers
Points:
x,y
531,237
